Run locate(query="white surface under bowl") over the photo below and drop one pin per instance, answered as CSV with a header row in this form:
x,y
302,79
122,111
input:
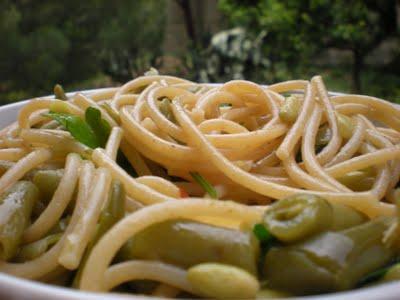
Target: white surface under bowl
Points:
x,y
16,288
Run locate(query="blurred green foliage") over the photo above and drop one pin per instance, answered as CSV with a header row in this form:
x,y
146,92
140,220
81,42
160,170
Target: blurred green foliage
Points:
x,y
93,43
299,31
44,42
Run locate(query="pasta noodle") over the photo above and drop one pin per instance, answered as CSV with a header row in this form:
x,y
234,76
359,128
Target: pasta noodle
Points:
x,y
161,148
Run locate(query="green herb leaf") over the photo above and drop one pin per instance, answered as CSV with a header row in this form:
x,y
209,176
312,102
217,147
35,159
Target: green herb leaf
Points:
x,y
262,233
267,241
100,127
166,110
205,184
78,128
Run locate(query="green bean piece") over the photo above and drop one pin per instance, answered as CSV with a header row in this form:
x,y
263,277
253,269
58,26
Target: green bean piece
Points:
x,y
290,109
345,217
392,274
298,216
166,110
187,243
220,281
37,210
47,181
330,261
358,181
59,92
37,248
111,214
61,226
324,135
113,211
265,293
15,210
345,125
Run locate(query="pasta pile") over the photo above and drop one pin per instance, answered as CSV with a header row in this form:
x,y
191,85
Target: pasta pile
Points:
x,y
253,144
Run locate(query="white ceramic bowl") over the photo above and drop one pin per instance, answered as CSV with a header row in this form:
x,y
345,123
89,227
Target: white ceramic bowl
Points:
x,y
16,288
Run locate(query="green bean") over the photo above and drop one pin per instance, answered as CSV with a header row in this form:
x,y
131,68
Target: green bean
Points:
x,y
265,293
290,109
392,274
38,208
345,125
219,281
330,261
174,242
298,216
37,248
61,226
358,181
324,135
15,211
113,211
59,92
47,181
111,214
166,110
344,217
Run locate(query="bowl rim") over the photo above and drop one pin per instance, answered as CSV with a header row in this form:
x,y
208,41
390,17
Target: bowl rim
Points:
x,y
39,289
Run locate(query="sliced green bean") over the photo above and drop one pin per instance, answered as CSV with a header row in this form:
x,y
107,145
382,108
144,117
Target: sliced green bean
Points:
x,y
111,214
298,216
220,281
303,215
15,209
324,135
47,181
344,217
113,211
361,180
37,248
266,293
61,226
330,261
290,109
187,243
59,92
166,110
345,125
392,274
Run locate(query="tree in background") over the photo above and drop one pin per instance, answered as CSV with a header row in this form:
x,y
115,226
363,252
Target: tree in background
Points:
x,y
44,42
131,41
358,26
298,30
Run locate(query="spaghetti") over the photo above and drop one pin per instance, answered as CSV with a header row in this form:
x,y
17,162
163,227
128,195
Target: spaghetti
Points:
x,y
169,132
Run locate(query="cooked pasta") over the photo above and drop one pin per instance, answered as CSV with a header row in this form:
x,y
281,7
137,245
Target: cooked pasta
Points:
x,y
152,187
